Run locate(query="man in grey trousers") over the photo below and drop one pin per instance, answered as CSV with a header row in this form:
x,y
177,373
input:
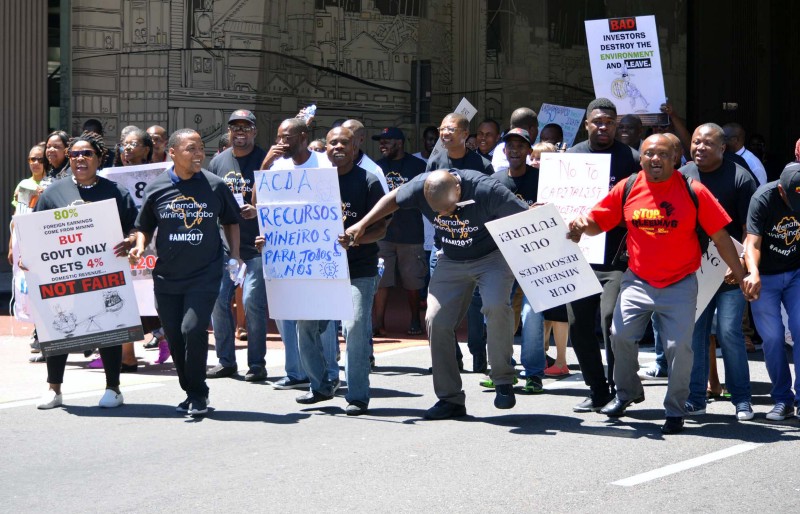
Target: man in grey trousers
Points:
x,y
664,253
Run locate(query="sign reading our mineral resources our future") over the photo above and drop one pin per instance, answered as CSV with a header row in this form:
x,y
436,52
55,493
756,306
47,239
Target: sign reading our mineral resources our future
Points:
x,y
299,214
134,179
81,293
626,63
574,183
549,267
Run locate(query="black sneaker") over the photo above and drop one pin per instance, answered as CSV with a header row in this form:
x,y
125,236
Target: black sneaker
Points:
x,y
312,397
290,383
255,374
444,409
673,425
780,412
220,371
590,405
356,409
504,396
184,405
198,407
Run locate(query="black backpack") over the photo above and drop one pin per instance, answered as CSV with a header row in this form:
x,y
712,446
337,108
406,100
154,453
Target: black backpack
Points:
x,y
622,253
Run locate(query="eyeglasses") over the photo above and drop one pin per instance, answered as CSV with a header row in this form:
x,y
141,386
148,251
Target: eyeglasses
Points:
x,y
241,128
40,160
132,145
448,130
74,154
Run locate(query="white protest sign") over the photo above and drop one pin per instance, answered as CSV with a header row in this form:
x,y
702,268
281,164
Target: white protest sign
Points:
x,y
569,119
134,179
463,107
574,183
80,292
299,214
22,302
711,274
549,267
626,63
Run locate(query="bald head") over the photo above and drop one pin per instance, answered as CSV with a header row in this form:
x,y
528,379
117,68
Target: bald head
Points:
x,y
525,118
357,128
677,147
442,190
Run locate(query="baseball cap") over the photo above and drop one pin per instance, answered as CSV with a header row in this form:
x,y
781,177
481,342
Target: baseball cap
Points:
x,y
390,133
242,114
524,134
790,181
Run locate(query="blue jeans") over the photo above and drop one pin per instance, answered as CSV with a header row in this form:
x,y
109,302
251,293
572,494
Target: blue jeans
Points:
x,y
532,348
254,297
776,289
293,365
357,333
730,307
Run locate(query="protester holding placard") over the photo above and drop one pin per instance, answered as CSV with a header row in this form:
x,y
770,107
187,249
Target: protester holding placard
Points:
x,y
664,254
86,152
360,191
185,203
772,253
733,187
601,126
459,203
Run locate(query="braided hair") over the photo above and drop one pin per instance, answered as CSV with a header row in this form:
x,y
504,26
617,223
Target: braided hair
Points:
x,y
94,139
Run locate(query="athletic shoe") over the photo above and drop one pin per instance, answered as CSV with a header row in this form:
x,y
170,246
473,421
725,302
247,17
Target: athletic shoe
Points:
x,y
184,405
291,383
256,374
444,410
220,371
504,396
691,410
744,411
198,407
111,399
356,409
489,384
780,412
533,385
652,374
50,400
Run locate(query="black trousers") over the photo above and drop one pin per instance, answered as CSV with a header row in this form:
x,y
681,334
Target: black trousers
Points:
x,y
581,315
112,362
185,318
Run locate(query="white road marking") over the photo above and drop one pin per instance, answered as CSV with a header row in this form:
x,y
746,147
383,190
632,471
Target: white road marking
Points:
x,y
687,464
86,394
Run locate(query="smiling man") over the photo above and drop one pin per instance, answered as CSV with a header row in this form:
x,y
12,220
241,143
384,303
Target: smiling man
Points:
x,y
453,133
660,282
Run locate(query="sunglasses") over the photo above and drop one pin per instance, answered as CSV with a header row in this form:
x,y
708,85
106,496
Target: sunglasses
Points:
x,y
241,128
74,154
40,160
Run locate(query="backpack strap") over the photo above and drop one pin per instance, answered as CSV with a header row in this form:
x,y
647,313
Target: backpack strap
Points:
x,y
627,191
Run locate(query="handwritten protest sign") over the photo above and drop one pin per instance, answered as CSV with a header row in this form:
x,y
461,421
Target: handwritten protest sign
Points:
x,y
300,217
574,183
463,107
626,63
549,267
81,294
710,275
134,179
569,118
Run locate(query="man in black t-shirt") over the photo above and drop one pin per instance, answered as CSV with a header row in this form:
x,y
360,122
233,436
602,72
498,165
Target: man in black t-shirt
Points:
x,y
459,203
186,204
359,191
772,253
453,133
733,187
402,249
237,166
601,125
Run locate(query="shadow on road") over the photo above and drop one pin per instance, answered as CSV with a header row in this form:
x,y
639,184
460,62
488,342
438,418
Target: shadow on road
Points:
x,y
151,411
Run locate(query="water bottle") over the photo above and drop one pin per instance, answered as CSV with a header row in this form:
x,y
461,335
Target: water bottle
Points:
x,y
380,267
307,113
233,269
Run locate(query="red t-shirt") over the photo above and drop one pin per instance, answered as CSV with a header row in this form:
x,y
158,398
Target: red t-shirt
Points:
x,y
661,220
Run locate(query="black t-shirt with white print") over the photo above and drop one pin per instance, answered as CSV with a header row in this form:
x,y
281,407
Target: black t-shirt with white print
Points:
x,y
360,191
779,228
188,242
463,235
406,226
239,174
525,187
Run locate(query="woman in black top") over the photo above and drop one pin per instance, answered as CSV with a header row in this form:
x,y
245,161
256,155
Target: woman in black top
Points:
x,y
83,186
56,153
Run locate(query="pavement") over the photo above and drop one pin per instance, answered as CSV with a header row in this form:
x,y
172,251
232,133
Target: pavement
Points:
x,y
259,450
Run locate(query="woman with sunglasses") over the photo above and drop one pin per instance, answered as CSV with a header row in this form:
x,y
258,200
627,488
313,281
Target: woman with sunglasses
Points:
x,y
85,153
56,153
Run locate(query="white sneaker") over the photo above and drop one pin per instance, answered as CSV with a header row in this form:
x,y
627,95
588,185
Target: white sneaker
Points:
x,y
111,399
50,400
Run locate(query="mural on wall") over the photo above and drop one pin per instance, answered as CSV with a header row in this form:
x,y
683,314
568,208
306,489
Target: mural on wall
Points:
x,y
190,63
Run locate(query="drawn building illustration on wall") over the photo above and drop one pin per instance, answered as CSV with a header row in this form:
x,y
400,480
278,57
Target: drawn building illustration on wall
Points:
x,y
189,63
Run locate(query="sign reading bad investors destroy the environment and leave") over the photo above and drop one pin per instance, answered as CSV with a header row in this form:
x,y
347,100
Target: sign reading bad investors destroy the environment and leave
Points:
x,y
626,63
549,267
299,214
80,292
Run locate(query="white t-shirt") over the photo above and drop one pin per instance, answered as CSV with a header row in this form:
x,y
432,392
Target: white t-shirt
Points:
x,y
317,160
